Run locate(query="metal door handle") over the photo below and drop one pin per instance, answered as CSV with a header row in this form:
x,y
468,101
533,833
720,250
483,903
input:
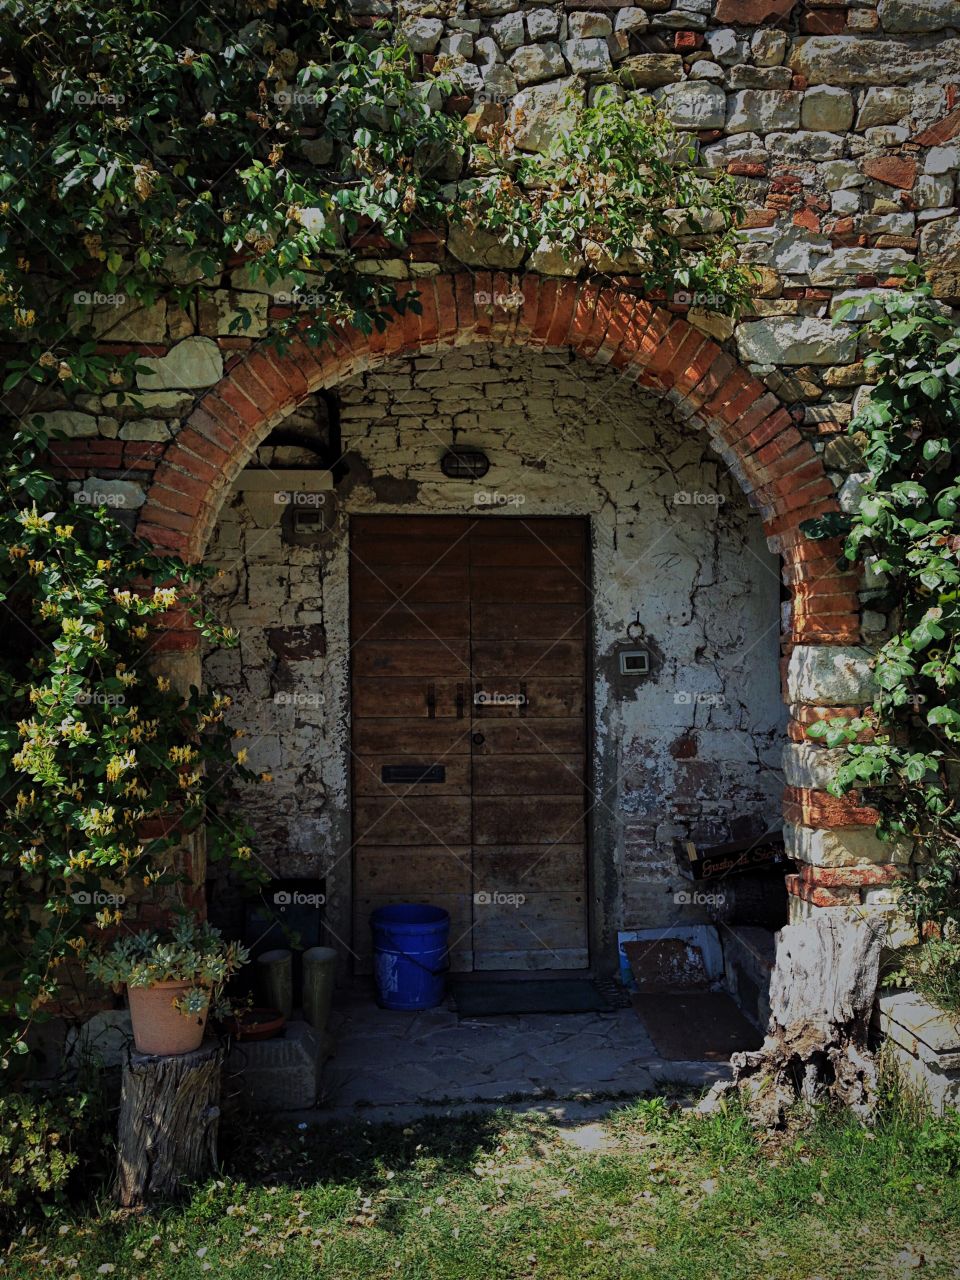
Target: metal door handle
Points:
x,y
479,739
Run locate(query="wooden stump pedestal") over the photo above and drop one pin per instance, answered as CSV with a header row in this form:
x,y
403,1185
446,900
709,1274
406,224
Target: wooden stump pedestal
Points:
x,y
169,1118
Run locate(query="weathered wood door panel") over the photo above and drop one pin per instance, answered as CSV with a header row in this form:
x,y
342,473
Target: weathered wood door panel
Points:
x,y
468,641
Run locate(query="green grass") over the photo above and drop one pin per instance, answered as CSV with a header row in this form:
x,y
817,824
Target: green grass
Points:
x,y
500,1195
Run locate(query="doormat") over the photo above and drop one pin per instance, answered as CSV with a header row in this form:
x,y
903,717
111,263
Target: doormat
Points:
x,y
695,1026
485,998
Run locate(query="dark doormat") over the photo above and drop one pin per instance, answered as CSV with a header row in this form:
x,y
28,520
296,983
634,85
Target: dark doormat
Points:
x,y
695,1026
483,998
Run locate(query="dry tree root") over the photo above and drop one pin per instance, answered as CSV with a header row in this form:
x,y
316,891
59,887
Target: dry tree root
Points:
x,y
821,997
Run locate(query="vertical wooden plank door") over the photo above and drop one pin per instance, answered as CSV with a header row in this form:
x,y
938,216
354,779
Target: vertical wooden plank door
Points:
x,y
468,640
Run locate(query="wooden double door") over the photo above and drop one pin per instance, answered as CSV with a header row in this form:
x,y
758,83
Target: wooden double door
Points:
x,y
468,642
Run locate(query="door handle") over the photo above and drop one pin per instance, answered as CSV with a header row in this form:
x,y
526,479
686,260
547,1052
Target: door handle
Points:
x,y
432,701
479,739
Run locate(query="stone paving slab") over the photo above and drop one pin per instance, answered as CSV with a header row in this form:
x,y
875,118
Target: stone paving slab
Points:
x,y
387,1063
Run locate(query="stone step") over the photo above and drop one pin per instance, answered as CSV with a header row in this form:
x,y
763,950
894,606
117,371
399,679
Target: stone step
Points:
x,y
748,956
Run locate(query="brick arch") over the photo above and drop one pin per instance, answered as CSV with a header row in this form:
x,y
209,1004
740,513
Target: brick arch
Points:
x,y
780,472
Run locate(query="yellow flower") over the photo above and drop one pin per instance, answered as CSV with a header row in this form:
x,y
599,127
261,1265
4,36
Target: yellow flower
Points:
x,y
63,530
242,756
16,552
36,566
266,777
163,684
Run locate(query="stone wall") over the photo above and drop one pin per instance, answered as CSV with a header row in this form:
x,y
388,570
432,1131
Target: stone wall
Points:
x,y
840,122
679,564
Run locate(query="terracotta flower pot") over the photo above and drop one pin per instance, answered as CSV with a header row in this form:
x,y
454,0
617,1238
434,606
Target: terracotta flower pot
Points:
x,y
158,1025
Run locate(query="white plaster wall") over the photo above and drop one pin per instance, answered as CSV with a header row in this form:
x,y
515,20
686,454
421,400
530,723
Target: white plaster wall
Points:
x,y
678,562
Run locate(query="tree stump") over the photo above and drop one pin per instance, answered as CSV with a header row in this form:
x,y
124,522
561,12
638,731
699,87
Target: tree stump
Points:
x,y
821,998
169,1117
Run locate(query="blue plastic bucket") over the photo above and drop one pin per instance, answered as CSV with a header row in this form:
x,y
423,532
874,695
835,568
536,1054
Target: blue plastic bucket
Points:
x,y
410,955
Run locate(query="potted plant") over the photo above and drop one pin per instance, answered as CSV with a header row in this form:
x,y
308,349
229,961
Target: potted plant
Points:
x,y
171,979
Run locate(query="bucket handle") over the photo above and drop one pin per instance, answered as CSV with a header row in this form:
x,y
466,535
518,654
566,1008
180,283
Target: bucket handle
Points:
x,y
434,973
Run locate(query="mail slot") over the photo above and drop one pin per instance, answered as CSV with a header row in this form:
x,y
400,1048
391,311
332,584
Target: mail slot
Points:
x,y
413,773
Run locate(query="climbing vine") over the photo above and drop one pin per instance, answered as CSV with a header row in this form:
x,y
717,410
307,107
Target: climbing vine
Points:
x,y
104,767
148,146
902,754
153,151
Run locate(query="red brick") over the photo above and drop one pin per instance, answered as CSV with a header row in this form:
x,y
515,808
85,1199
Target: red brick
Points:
x,y
446,307
828,22
752,12
164,539
944,130
563,314
820,809
430,317
858,877
818,896
894,171
745,169
623,319
465,289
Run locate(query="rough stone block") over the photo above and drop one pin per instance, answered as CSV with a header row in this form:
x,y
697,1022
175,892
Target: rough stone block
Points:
x,y
542,111
122,495
763,110
194,362
650,70
844,265
695,105
827,107
280,1074
925,1042
587,57
847,60
807,765
918,15
847,847
830,676
796,340
543,24
103,1040
508,31
584,25
422,34
70,423
535,62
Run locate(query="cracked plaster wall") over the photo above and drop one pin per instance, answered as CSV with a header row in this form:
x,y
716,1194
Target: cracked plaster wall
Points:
x,y
691,749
